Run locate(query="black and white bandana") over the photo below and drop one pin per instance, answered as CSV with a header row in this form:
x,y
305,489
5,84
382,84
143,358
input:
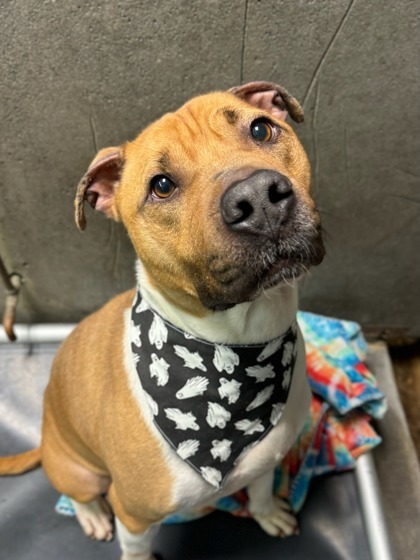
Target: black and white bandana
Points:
x,y
211,402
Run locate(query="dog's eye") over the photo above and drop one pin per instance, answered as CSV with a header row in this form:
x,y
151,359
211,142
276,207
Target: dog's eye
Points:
x,y
162,187
261,131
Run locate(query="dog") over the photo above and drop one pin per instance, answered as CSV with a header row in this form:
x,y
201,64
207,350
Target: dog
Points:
x,y
216,200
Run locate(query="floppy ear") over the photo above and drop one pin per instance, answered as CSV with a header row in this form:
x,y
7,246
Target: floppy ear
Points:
x,y
271,98
98,184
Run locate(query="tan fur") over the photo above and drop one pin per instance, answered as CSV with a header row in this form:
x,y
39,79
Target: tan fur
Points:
x,y
95,437
79,458
199,143
201,140
19,464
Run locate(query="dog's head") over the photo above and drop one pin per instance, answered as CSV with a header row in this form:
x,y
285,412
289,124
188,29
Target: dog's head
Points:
x,y
215,197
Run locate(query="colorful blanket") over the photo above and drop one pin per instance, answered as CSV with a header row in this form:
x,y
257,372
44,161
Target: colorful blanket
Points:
x,y
337,431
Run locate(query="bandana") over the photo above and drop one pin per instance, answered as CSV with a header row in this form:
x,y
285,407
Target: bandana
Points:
x,y
211,402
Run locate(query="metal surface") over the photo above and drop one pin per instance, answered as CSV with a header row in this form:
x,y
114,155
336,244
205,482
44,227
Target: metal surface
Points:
x,y
370,500
396,462
35,334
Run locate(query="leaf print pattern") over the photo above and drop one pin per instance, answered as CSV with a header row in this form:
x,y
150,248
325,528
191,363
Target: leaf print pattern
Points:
x,y
225,359
249,426
229,389
193,387
287,354
192,360
135,334
183,420
212,403
188,448
276,413
212,476
217,415
261,373
270,349
159,369
158,333
221,449
142,306
261,398
286,379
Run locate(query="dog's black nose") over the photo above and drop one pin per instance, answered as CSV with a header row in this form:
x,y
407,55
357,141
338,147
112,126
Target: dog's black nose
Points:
x,y
259,204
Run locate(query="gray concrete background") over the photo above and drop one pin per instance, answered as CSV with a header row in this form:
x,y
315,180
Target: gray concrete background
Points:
x,y
78,76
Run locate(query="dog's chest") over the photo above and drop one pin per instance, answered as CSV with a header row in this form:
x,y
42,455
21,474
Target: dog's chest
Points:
x,y
212,403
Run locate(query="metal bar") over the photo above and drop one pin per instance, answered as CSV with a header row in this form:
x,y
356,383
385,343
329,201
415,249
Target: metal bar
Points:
x,y
372,509
36,334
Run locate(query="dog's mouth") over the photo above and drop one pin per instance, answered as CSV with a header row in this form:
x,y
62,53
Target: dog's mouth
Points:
x,y
245,274
285,272
292,265
285,269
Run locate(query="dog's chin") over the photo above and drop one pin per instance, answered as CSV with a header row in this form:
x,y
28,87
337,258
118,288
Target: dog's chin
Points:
x,y
255,268
247,288
283,273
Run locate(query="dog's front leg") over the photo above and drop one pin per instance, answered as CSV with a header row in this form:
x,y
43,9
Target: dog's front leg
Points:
x,y
136,546
273,514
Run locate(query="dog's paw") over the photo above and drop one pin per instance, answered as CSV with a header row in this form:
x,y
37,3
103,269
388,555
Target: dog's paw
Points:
x,y
277,519
95,518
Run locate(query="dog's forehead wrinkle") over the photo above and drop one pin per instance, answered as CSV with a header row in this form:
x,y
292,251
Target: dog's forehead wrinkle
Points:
x,y
206,117
189,121
163,160
230,114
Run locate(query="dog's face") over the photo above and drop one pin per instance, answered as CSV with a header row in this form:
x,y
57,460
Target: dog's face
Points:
x,y
215,198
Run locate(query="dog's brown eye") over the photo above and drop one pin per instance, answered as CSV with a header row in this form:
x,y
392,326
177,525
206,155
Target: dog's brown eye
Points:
x,y
162,187
261,131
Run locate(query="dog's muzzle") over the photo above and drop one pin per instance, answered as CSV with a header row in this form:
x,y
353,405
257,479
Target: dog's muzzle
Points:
x,y
259,204
270,233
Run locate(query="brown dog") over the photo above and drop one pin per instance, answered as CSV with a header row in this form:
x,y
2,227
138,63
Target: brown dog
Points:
x,y
216,200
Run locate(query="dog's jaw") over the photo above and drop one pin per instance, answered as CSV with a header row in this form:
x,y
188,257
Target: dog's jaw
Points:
x,y
263,319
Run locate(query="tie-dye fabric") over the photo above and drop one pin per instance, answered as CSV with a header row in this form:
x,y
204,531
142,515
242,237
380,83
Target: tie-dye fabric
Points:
x,y
344,398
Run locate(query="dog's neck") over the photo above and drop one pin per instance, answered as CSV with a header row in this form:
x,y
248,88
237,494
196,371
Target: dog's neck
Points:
x,y
261,320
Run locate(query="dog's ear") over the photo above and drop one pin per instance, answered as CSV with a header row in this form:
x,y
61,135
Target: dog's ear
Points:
x,y
98,184
271,98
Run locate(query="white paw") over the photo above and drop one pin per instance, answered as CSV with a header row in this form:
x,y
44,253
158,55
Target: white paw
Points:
x,y
95,519
277,519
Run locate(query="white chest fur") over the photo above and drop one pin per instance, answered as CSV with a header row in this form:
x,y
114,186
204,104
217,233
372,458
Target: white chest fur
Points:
x,y
189,489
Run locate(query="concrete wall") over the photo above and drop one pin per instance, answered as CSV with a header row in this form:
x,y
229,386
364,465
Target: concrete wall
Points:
x,y
80,75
